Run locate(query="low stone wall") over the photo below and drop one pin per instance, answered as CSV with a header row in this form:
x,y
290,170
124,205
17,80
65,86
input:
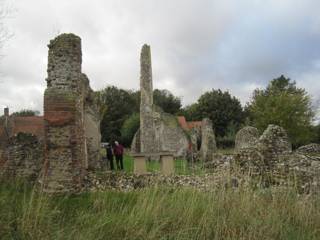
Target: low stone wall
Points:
x,y
310,148
25,157
121,181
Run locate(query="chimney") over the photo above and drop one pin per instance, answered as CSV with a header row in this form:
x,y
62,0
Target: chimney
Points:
x,y
6,112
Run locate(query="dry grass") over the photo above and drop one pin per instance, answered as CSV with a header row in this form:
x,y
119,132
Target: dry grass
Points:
x,y
159,213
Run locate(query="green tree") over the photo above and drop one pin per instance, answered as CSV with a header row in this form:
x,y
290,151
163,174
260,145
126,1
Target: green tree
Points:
x,y
163,99
26,113
167,101
223,109
190,112
129,128
116,105
284,104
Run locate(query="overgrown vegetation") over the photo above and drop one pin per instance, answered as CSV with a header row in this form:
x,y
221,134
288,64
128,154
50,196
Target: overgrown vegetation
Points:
x,y
159,213
284,104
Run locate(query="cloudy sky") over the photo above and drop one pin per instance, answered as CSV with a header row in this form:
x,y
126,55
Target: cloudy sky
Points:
x,y
197,45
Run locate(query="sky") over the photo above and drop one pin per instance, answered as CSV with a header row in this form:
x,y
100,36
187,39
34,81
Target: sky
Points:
x,y
197,45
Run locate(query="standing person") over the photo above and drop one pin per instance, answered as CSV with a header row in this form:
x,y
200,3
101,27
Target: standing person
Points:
x,y
109,154
118,152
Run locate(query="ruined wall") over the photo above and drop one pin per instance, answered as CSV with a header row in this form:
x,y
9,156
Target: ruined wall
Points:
x,y
92,126
65,155
272,144
312,148
246,138
21,145
266,155
208,141
169,135
24,157
158,131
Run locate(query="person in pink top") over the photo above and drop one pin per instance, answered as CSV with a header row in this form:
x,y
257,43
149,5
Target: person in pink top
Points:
x,y
118,153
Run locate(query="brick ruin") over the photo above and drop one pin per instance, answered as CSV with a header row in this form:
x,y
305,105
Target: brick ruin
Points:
x,y
21,145
67,138
72,134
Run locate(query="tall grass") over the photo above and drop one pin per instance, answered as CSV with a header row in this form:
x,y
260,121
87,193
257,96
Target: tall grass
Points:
x,y
159,213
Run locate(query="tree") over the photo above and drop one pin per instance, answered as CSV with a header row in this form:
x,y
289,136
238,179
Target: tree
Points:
x,y
116,105
167,101
129,128
284,104
26,113
223,109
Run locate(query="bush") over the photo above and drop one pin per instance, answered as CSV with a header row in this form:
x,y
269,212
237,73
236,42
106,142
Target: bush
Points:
x,y
129,129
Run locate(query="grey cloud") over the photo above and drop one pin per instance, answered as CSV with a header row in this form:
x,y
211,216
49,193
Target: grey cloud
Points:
x,y
235,45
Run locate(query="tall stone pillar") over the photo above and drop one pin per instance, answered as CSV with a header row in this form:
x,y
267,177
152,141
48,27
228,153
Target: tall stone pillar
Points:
x,y
65,154
147,133
208,141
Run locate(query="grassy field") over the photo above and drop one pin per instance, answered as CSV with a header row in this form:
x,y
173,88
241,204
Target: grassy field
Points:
x,y
181,166
159,213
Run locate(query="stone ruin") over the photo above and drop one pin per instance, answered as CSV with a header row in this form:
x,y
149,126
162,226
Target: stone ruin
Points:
x,y
72,131
159,131
62,146
66,140
246,137
264,152
163,132
272,159
312,148
21,145
208,142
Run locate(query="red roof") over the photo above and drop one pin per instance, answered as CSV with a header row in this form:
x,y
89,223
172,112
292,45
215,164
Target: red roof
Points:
x,y
194,124
183,123
188,125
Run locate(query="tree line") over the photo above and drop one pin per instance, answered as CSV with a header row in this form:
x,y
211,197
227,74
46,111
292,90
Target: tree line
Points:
x,y
281,103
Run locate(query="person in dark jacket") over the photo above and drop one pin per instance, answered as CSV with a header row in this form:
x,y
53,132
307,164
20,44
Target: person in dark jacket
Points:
x,y
118,152
109,155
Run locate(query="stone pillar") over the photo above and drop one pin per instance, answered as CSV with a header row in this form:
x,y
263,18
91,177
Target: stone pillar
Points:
x,y
139,164
208,141
65,154
147,133
167,163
